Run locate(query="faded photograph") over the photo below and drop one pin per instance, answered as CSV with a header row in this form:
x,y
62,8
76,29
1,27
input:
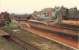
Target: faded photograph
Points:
x,y
39,24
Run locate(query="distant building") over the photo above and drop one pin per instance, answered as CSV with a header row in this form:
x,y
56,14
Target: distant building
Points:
x,y
48,11
73,14
64,13
44,14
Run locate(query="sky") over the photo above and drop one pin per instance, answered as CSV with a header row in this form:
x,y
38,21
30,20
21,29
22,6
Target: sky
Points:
x,y
28,6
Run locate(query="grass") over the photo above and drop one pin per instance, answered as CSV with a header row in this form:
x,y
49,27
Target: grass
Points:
x,y
6,45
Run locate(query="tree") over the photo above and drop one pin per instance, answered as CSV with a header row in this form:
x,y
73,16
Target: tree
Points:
x,y
7,18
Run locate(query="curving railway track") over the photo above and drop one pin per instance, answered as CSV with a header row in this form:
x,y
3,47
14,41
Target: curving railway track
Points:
x,y
20,42
64,40
55,28
17,41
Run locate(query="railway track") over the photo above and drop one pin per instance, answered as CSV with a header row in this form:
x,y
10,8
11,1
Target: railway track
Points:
x,y
20,42
55,28
52,36
71,22
66,26
59,33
